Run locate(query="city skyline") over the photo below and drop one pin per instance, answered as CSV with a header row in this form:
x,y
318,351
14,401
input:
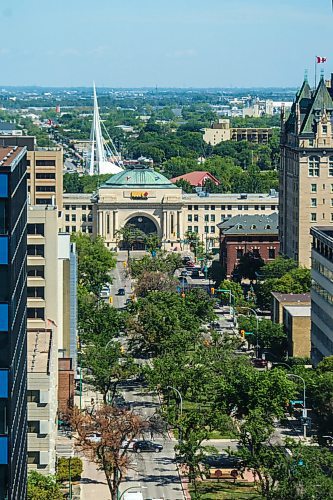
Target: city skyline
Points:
x,y
228,44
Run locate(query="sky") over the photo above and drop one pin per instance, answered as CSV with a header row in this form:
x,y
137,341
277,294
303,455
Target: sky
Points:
x,y
168,43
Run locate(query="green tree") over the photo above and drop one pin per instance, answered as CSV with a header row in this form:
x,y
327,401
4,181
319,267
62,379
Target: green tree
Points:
x,y
129,235
249,265
41,487
108,365
184,185
154,281
278,268
237,295
73,464
95,262
152,242
270,335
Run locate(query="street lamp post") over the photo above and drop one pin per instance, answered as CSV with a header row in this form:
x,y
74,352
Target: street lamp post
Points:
x,y
257,329
304,401
231,295
181,405
129,488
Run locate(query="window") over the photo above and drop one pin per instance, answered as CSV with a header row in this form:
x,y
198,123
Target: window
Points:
x,y
73,207
271,253
45,163
331,217
73,229
262,207
84,207
272,207
35,292
330,166
212,218
206,207
45,189
36,229
67,229
90,217
313,188
67,207
314,166
189,207
222,207
246,207
206,229
33,457
196,207
189,218
256,252
45,175
212,207
206,218
32,396
35,271
196,229
189,229
313,217
89,207
256,207
84,218
313,202
239,253
36,250
311,142
222,216
44,201
324,129
36,313
240,207
196,218
212,229
331,188
67,217
229,207
90,229
33,426
73,217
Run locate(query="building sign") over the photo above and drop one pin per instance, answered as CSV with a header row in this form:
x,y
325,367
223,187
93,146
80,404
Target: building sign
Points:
x,y
139,195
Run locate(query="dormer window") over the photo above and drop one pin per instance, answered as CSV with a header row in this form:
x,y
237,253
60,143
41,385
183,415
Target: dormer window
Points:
x,y
239,226
253,226
268,226
324,129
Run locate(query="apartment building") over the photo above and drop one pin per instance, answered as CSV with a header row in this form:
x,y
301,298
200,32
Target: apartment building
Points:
x,y
42,400
322,293
306,170
221,131
45,170
77,213
13,347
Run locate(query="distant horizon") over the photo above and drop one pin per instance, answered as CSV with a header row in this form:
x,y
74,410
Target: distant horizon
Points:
x,y
147,87
175,44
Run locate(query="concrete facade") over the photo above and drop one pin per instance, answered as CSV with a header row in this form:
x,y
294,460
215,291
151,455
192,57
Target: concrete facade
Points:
x,y
322,293
221,131
281,300
42,400
45,176
297,325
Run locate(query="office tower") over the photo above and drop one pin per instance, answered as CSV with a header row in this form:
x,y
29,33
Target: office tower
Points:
x,y
322,293
13,347
306,170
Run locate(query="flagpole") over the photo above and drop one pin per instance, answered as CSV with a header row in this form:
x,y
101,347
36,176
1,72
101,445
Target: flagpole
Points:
x,y
315,72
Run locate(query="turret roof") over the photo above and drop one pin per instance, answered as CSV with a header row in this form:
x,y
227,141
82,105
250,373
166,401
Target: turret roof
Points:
x,y
139,176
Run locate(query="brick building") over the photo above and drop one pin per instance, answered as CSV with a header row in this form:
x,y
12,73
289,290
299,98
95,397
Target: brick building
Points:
x,y
250,233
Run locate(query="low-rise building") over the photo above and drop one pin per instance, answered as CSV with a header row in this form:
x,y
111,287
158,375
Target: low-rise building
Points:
x,y
322,293
221,131
297,325
7,128
42,400
239,235
281,300
197,178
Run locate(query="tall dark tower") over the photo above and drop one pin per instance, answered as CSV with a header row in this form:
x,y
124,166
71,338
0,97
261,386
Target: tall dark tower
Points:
x,y
13,300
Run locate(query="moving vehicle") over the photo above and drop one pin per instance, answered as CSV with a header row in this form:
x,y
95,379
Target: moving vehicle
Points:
x,y
143,446
105,292
121,291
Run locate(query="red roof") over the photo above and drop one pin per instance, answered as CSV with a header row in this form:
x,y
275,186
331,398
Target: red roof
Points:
x,y
197,178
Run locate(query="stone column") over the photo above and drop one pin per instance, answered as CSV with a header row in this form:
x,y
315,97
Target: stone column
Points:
x,y
165,225
115,223
100,222
180,225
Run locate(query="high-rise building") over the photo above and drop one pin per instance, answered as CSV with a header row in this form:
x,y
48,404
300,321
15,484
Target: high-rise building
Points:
x,y
306,170
13,345
322,293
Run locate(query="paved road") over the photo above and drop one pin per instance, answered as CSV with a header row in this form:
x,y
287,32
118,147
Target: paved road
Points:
x,y
153,474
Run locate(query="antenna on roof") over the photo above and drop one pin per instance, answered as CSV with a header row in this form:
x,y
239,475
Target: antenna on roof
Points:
x,y
306,75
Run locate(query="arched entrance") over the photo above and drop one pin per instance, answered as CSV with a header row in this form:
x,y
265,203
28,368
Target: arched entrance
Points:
x,y
145,225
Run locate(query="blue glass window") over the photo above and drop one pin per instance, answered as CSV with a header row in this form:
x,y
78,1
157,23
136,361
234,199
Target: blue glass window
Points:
x,y
3,383
3,185
3,250
3,450
3,317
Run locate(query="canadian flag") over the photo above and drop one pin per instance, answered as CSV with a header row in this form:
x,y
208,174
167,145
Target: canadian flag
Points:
x,y
321,59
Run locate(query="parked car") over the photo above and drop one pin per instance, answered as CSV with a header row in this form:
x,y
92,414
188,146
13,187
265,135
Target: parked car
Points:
x,y
121,291
143,446
221,467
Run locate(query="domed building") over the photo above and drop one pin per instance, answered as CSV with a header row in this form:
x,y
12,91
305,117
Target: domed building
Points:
x,y
142,197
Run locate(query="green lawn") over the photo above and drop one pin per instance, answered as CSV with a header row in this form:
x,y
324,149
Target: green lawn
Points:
x,y
223,490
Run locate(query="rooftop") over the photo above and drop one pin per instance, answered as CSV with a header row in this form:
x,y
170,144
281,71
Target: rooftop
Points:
x,y
292,297
242,197
8,154
197,178
39,350
304,311
9,126
250,224
139,176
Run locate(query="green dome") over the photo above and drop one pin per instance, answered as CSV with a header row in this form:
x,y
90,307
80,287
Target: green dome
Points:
x,y
139,176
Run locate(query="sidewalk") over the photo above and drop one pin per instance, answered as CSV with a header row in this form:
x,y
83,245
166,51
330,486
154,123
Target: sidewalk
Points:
x,y
93,483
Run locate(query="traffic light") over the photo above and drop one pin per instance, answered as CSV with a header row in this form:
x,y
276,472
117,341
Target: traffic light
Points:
x,y
212,291
242,332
